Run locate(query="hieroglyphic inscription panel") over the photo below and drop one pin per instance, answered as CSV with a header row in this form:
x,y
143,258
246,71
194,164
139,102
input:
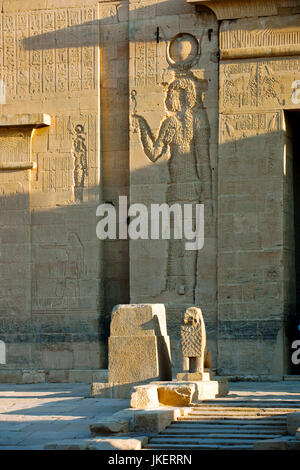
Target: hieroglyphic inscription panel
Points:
x,y
36,53
238,126
260,83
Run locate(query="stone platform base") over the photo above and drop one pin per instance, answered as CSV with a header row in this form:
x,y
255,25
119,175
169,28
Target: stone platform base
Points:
x,y
173,393
177,393
205,376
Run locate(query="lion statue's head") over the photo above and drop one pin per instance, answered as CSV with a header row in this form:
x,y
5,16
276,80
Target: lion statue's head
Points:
x,y
192,316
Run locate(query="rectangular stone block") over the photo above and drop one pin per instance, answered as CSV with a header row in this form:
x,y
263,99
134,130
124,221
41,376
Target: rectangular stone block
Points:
x,y
138,348
134,359
138,320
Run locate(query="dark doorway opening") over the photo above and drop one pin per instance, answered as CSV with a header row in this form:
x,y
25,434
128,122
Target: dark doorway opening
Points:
x,y
293,312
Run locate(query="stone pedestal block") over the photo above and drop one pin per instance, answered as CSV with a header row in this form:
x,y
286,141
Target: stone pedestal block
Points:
x,y
139,348
195,376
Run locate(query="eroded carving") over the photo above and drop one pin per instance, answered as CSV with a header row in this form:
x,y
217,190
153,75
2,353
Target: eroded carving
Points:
x,y
252,85
79,152
64,274
36,60
184,136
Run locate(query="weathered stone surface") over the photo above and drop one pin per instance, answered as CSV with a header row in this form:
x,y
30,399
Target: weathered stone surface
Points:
x,y
203,130
32,377
109,426
293,423
136,359
223,386
194,376
144,397
138,320
112,390
277,444
152,420
193,341
138,348
34,120
176,395
172,162
111,443
139,420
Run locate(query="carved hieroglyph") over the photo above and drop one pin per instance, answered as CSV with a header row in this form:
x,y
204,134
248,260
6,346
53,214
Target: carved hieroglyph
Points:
x,y
184,134
193,340
80,162
38,55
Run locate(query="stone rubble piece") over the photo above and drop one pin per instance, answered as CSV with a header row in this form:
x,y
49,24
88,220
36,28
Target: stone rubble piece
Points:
x,y
106,443
110,425
176,395
137,420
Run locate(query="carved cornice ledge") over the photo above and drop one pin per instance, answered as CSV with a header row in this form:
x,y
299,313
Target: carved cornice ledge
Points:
x,y
17,166
276,36
20,120
231,9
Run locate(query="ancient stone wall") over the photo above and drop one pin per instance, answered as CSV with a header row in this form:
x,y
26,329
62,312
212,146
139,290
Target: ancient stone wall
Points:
x,y
50,259
256,272
163,101
185,172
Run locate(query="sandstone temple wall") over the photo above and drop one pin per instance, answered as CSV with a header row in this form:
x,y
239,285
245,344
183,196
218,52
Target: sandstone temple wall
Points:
x,y
85,87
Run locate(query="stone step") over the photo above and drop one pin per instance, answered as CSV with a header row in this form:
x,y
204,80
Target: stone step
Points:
x,y
189,440
259,405
241,410
199,447
238,420
260,414
224,425
233,425
241,406
220,430
236,413
224,435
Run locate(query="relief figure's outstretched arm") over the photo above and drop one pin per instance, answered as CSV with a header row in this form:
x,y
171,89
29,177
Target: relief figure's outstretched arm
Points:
x,y
154,148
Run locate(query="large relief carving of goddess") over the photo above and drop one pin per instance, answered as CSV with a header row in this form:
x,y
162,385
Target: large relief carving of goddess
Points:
x,y
184,135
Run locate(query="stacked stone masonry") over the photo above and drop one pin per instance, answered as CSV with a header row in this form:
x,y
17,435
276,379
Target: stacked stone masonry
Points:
x,y
107,74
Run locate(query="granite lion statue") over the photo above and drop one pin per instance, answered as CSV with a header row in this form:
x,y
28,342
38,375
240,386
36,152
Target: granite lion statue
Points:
x,y
193,340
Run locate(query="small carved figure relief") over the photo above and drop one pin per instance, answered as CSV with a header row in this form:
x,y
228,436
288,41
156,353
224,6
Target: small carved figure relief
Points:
x,y
72,268
68,268
184,135
80,162
193,340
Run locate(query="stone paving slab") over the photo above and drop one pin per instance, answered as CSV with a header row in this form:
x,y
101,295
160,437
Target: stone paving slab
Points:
x,y
34,415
